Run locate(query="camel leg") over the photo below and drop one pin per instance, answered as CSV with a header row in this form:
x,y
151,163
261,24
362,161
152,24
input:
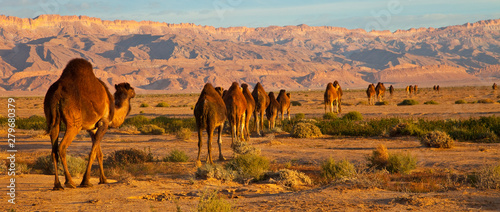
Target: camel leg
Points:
x,y
70,134
96,142
219,141
54,135
288,113
262,123
247,127
200,144
210,132
102,177
241,127
340,105
331,107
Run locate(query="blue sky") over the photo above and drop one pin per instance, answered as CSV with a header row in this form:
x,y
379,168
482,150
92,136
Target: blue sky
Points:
x,y
351,14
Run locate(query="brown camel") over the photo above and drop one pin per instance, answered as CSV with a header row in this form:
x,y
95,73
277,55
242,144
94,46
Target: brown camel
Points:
x,y
210,114
415,89
236,106
220,90
494,86
437,88
261,102
272,110
380,90
370,92
250,109
284,104
331,96
339,90
82,102
410,89
407,90
391,90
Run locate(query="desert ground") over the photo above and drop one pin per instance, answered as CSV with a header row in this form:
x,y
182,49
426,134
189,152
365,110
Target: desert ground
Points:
x,y
173,186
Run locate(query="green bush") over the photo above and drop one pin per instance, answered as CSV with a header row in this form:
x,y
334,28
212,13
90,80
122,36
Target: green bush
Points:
x,y
215,171
332,170
173,125
353,116
163,104
299,116
34,122
305,130
184,134
486,101
408,102
249,166
176,156
151,129
292,178
431,102
295,103
128,156
242,147
477,134
487,177
137,121
76,165
404,129
211,201
144,104
437,139
330,115
461,101
401,163
382,103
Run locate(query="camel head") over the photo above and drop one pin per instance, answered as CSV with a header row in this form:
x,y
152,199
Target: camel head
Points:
x,y
123,92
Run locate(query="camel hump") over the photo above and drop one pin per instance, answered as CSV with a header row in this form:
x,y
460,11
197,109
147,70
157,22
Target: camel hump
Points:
x,y
77,67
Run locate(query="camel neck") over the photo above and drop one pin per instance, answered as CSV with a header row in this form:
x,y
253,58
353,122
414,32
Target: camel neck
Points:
x,y
121,111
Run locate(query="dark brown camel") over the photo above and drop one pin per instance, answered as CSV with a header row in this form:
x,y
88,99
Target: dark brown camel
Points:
x,y
261,102
284,104
220,90
410,88
331,96
272,111
437,88
83,102
210,114
494,86
236,106
341,93
370,93
415,89
391,90
250,109
380,90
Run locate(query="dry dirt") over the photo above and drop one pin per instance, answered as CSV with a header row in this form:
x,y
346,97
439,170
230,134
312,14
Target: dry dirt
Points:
x,y
176,186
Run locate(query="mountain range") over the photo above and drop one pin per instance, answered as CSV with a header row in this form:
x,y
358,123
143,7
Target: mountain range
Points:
x,y
180,58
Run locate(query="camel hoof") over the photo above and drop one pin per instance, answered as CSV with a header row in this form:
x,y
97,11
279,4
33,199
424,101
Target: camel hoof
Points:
x,y
103,181
70,185
222,158
58,187
86,185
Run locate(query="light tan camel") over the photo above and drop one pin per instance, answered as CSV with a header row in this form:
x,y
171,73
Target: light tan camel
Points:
x,y
236,106
415,89
370,93
272,110
210,114
284,104
407,90
331,96
341,93
261,102
250,109
391,90
83,102
380,90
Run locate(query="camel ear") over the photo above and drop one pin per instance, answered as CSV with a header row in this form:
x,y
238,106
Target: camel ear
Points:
x,y
127,86
116,86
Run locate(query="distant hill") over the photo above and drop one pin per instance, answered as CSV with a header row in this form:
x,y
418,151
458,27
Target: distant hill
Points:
x,y
183,57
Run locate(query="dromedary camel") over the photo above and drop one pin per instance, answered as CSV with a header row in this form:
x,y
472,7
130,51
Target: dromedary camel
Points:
x,y
210,114
391,90
331,96
220,90
236,106
341,93
415,89
370,93
272,110
380,90
261,102
250,108
284,104
82,102
494,86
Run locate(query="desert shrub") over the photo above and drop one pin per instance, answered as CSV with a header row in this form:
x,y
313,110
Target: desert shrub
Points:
x,y
292,178
137,121
305,130
128,156
176,156
363,103
353,116
431,102
331,170
379,157
144,104
216,171
184,134
485,101
382,103
34,122
295,103
151,129
211,201
330,116
461,101
403,129
408,102
248,166
76,165
242,147
437,139
299,116
476,134
401,163
163,104
172,125
487,177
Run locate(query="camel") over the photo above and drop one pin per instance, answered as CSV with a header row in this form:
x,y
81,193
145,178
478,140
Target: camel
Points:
x,y
370,92
494,86
380,90
415,89
272,110
437,88
261,102
284,104
250,109
391,90
82,102
407,90
332,95
220,90
339,101
410,89
236,106
210,114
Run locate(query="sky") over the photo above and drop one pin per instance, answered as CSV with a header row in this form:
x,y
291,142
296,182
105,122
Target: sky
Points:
x,y
352,14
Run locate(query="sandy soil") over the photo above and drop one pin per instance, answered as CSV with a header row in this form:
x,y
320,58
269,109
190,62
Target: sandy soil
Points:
x,y
177,186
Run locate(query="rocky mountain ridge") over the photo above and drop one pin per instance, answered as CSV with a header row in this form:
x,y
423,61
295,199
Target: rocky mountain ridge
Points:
x,y
183,57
